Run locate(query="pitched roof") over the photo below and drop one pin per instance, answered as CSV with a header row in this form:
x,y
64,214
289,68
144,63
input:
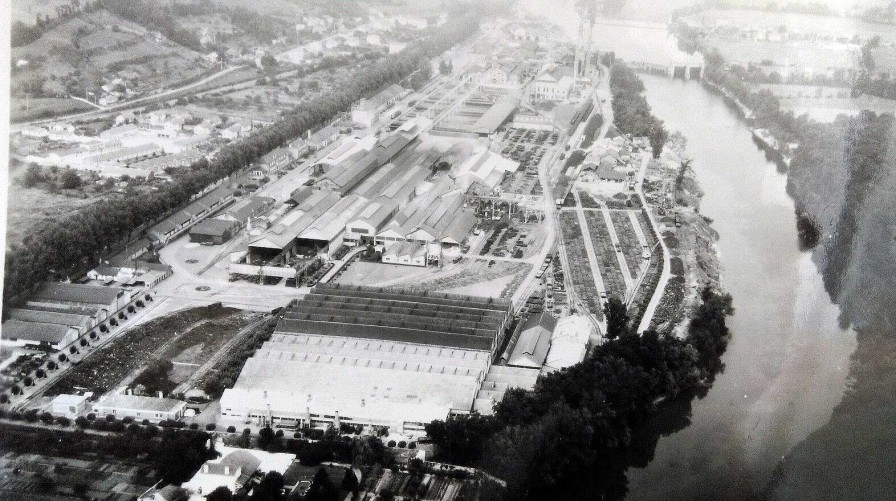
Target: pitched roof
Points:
x,y
531,349
35,331
213,227
78,293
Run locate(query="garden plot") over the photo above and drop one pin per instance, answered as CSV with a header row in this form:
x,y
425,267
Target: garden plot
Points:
x,y
579,267
628,241
606,255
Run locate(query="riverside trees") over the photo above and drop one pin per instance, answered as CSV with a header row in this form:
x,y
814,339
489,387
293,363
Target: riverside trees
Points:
x,y
631,113
570,437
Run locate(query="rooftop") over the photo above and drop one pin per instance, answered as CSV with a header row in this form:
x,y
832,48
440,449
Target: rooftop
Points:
x,y
140,403
77,293
35,331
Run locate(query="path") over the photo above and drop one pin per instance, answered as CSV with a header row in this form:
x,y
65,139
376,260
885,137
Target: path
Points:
x,y
614,238
664,276
589,248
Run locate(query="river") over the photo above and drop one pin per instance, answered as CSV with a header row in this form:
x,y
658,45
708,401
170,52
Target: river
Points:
x,y
787,364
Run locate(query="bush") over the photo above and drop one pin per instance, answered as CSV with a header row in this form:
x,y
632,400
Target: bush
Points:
x,y
46,418
247,432
194,426
62,357
91,416
402,444
4,398
39,373
133,428
14,416
210,427
15,390
83,342
110,418
412,445
391,443
52,366
63,421
82,422
279,434
231,429
27,381
145,422
127,420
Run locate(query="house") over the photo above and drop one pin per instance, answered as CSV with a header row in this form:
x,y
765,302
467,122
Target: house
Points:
x,y
298,148
213,231
167,493
204,128
125,117
139,407
70,406
104,273
234,469
409,253
275,160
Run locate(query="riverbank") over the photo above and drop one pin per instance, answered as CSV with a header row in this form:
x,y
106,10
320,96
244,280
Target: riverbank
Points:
x,y
673,187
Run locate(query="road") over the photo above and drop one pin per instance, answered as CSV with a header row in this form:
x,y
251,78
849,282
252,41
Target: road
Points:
x,y
666,273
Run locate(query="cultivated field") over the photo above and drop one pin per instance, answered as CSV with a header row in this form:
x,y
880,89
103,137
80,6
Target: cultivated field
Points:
x,y
606,254
628,241
579,267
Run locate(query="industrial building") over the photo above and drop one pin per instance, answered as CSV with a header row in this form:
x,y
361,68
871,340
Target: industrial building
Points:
x,y
569,342
359,355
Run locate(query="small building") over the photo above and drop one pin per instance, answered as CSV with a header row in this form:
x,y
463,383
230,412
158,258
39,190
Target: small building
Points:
x,y
409,253
154,409
213,231
275,160
70,406
246,209
531,348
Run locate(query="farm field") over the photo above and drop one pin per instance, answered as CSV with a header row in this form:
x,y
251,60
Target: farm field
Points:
x,y
104,369
580,269
606,254
36,108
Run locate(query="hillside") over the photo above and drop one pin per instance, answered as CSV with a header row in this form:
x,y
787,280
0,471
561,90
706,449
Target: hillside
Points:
x,y
89,50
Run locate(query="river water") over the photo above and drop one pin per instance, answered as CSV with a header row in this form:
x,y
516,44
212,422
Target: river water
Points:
x,y
787,364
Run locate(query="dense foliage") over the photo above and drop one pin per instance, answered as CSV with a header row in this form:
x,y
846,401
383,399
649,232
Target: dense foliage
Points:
x,y
631,113
569,438
175,454
68,245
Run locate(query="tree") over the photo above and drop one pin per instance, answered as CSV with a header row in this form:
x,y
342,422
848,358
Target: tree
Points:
x,y
322,488
33,176
269,488
69,180
617,317
220,494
